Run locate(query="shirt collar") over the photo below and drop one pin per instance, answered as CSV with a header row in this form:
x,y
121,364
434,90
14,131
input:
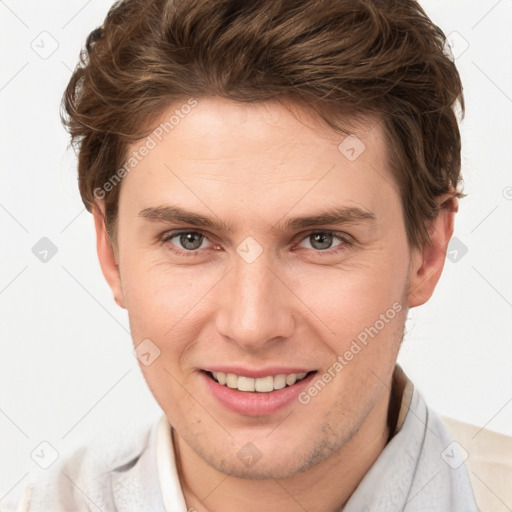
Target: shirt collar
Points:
x,y
172,495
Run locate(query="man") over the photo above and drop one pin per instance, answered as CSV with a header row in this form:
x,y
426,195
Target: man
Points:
x,y
273,186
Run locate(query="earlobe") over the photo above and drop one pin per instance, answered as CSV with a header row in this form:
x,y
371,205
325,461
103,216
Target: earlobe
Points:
x,y
106,256
427,263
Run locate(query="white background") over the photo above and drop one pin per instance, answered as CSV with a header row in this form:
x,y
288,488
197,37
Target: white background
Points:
x,y
67,371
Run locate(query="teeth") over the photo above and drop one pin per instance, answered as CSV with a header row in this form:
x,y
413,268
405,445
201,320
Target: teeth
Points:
x,y
279,381
261,384
245,384
291,379
231,380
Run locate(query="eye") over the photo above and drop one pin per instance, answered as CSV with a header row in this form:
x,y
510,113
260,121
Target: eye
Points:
x,y
187,242
323,240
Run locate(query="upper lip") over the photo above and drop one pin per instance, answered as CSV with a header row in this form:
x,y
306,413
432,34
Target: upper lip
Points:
x,y
258,372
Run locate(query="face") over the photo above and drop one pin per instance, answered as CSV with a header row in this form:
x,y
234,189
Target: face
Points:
x,y
251,244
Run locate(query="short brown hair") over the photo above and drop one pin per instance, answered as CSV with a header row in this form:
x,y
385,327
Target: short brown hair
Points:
x,y
336,57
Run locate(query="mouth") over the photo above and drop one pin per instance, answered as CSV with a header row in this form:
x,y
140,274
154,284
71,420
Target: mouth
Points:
x,y
259,395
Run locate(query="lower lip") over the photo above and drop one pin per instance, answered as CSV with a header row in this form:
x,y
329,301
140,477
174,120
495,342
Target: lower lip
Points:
x,y
255,403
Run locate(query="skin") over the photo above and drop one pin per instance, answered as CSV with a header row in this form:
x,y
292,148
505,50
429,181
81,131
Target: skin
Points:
x,y
300,303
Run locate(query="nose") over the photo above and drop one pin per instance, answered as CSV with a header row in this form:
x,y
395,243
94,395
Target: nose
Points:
x,y
256,305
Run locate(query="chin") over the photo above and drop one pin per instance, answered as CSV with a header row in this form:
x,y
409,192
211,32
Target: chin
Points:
x,y
262,470
266,458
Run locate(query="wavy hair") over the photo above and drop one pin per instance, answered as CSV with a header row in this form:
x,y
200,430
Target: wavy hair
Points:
x,y
337,58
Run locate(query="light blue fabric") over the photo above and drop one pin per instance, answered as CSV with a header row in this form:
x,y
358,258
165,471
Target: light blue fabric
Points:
x,y
411,474
420,470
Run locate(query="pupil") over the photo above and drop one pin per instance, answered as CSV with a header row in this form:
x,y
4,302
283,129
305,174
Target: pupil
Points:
x,y
321,237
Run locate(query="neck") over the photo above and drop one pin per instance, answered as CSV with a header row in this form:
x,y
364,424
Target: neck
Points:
x,y
334,479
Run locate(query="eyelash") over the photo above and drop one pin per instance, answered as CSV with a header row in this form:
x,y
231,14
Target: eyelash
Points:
x,y
342,237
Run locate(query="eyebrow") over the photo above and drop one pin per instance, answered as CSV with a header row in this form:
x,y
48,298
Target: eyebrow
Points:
x,y
173,213
339,215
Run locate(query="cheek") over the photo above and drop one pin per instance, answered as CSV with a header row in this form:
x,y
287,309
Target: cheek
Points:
x,y
156,294
349,298
163,303
161,307
364,320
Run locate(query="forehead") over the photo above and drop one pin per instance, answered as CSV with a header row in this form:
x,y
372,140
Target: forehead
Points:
x,y
262,154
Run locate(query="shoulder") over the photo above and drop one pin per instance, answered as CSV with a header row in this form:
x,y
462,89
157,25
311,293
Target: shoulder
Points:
x,y
85,479
488,457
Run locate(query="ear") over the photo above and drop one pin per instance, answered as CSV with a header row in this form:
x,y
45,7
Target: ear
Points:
x,y
106,255
427,263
